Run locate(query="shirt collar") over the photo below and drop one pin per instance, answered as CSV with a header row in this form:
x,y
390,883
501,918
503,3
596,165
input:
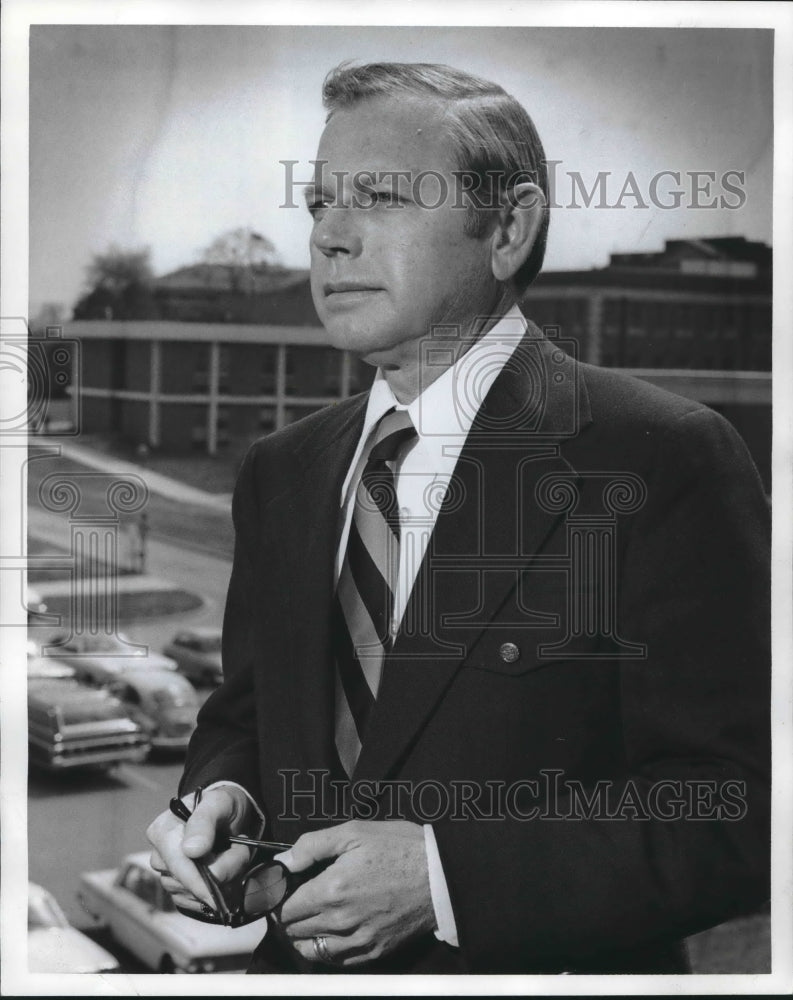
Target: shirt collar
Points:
x,y
444,412
446,409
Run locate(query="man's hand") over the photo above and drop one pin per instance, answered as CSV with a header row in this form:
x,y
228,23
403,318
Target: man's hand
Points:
x,y
178,845
374,897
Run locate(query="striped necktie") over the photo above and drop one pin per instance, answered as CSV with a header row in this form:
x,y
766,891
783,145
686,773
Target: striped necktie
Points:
x,y
363,608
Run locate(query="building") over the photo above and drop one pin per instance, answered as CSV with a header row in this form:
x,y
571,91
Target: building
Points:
x,y
182,386
699,304
229,361
695,319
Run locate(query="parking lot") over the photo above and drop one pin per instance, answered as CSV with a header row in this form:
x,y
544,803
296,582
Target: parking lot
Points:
x,y
85,819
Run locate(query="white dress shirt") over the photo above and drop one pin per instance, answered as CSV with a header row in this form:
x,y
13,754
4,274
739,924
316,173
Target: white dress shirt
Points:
x,y
442,415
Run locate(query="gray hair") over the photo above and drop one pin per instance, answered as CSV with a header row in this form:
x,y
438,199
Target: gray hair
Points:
x,y
493,137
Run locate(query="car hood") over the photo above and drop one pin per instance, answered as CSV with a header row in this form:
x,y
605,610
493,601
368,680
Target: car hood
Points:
x,y
65,949
204,940
118,663
182,716
76,702
159,662
201,940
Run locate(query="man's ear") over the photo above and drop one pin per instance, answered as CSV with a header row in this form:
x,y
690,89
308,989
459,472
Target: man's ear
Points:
x,y
518,225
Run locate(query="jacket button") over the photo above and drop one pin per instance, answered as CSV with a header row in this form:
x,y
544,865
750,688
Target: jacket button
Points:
x,y
509,652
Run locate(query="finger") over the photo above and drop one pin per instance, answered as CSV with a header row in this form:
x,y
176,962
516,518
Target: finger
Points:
x,y
321,894
213,813
301,905
355,957
166,834
338,950
157,863
230,863
318,846
332,949
341,923
172,885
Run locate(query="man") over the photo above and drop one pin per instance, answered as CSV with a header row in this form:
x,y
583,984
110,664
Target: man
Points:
x,y
508,610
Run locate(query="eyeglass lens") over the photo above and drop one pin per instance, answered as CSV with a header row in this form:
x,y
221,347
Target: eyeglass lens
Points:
x,y
265,888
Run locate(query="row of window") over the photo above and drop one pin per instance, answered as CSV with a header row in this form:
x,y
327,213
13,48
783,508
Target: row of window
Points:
x,y
237,422
658,334
243,369
308,371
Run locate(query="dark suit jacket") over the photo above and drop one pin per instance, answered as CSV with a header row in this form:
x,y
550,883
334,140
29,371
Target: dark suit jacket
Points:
x,y
595,610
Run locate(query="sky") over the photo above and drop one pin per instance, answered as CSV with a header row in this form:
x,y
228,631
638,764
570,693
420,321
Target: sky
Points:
x,y
165,136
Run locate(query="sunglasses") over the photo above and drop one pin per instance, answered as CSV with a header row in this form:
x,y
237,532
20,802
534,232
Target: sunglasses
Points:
x,y
262,887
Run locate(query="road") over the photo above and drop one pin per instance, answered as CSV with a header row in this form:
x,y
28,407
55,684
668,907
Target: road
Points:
x,y
189,568
83,821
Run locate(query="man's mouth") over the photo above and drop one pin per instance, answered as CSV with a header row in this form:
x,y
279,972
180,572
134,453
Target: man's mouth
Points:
x,y
331,288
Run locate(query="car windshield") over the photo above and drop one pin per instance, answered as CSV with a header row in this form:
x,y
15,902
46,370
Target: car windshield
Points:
x,y
175,695
43,911
77,704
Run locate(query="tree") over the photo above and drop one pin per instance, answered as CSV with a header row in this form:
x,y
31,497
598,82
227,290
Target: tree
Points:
x,y
245,253
49,314
120,286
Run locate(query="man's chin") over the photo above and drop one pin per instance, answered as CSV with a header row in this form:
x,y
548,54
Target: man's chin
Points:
x,y
359,338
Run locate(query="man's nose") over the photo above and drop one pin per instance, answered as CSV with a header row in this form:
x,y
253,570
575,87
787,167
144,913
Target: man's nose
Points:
x,y
336,233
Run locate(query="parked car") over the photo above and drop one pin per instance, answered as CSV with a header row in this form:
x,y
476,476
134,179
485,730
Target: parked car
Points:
x,y
73,725
140,915
47,667
197,654
162,702
101,658
54,945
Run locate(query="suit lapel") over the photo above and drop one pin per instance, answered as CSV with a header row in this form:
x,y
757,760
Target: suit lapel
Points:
x,y
489,517
305,519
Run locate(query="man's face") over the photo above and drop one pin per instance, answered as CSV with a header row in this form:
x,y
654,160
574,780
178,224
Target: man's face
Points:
x,y
386,264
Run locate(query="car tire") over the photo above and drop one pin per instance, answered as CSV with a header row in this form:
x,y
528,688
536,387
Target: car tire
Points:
x,y
166,966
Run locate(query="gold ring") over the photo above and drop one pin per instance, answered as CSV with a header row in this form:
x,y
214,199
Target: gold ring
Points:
x,y
321,949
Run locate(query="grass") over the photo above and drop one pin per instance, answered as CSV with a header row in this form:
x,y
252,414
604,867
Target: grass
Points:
x,y
137,606
180,523
215,474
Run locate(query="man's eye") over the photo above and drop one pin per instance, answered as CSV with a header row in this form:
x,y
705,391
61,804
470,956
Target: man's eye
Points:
x,y
317,208
387,197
